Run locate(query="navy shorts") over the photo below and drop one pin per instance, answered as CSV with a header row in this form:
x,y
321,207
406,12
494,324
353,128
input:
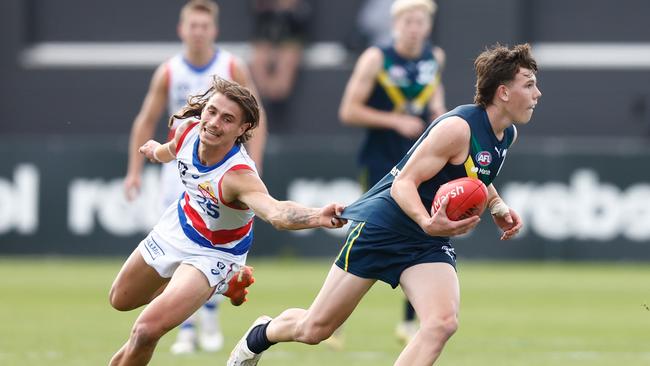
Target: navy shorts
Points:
x,y
370,251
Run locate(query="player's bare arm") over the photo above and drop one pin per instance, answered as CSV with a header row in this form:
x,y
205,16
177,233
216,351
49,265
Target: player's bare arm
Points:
x,y
354,111
144,127
245,188
255,146
447,142
163,153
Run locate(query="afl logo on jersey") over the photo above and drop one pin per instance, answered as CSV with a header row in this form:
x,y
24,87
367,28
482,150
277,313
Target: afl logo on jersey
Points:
x,y
398,75
484,158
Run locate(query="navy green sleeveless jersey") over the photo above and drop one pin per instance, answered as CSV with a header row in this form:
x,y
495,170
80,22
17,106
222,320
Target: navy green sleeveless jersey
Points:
x,y
486,156
404,86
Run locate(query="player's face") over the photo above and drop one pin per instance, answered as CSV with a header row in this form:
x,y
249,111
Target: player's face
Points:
x,y
221,121
523,95
197,29
412,26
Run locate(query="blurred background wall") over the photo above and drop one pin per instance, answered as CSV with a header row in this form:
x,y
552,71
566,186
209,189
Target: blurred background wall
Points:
x,y
74,74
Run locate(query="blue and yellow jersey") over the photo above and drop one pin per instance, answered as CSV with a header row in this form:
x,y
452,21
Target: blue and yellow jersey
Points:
x,y
403,86
484,161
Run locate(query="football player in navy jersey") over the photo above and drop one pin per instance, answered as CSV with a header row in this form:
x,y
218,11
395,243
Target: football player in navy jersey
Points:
x,y
393,236
394,92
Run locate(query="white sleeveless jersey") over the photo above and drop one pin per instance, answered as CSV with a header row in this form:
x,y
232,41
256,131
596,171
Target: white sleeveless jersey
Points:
x,y
204,216
185,79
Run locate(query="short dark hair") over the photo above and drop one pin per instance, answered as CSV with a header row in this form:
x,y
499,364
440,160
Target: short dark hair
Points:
x,y
231,90
498,65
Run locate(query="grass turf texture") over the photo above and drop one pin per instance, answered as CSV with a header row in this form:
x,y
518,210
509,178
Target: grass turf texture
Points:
x,y
55,312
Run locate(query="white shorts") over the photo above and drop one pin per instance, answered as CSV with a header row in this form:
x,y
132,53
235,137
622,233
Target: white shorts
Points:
x,y
167,247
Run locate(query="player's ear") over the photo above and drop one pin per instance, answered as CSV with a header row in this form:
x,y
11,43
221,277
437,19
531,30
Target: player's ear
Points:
x,y
503,93
244,127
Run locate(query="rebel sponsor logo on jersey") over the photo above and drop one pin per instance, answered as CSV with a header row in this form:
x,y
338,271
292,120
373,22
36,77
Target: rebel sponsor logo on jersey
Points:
x,y
484,158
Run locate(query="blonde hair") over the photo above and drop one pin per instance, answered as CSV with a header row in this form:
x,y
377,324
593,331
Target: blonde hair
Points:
x,y
205,6
400,6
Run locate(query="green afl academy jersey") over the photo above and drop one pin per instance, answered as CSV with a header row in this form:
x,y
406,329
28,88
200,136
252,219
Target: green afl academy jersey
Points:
x,y
484,161
403,86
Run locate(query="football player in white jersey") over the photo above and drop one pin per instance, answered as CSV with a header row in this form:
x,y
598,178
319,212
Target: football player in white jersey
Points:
x,y
187,73
200,244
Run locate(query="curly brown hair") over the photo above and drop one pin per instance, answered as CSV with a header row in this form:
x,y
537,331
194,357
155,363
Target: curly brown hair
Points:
x,y
499,65
231,90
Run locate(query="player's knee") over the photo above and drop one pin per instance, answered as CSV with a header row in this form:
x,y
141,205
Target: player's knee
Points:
x,y
311,332
314,335
145,335
118,301
440,328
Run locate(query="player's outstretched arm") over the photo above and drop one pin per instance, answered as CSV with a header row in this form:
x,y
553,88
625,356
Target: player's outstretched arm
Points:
x,y
245,188
504,217
288,215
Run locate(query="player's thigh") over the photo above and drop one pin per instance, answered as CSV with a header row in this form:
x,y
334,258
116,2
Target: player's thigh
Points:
x,y
187,290
339,296
136,283
432,289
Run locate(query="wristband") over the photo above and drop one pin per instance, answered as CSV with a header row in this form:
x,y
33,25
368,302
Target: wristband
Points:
x,y
169,149
155,157
499,208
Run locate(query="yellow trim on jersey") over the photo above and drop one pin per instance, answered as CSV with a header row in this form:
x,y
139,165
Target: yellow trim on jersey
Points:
x,y
423,98
394,94
470,168
397,97
349,242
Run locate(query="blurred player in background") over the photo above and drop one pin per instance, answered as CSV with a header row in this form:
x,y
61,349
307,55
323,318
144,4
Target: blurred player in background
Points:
x,y
394,92
280,31
394,238
200,244
189,72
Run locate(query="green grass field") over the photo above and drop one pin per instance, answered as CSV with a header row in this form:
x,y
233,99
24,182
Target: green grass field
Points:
x,y
55,312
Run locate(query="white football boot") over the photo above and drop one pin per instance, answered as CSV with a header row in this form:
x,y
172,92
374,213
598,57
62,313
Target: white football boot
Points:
x,y
241,355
